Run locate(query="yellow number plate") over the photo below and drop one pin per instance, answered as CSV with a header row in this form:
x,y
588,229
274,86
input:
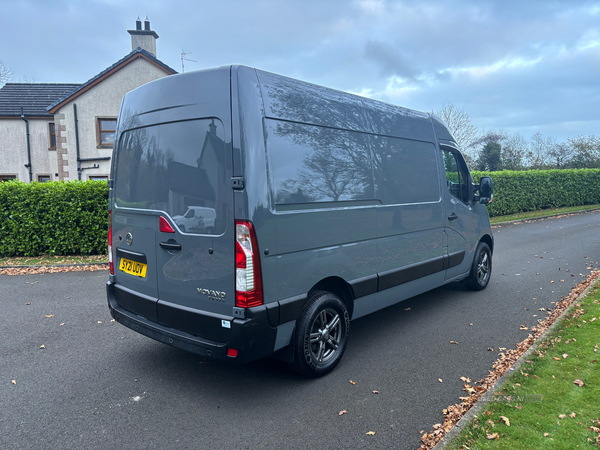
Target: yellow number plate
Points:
x,y
133,268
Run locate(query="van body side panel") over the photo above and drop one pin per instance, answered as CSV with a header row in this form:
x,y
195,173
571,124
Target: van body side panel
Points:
x,y
254,201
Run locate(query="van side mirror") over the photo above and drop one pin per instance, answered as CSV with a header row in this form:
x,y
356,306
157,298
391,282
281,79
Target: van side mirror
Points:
x,y
486,190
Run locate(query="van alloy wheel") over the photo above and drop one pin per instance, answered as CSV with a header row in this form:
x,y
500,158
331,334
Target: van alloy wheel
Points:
x,y
325,335
321,334
481,269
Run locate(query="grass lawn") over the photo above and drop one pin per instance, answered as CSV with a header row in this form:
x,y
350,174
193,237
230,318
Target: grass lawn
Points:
x,y
542,213
565,372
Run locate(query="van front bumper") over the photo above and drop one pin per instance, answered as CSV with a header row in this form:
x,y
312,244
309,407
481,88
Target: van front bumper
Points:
x,y
253,336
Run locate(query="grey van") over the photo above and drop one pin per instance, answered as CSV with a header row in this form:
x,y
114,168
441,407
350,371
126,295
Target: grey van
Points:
x,y
324,207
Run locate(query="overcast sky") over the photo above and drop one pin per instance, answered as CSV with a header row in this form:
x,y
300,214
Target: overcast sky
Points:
x,y
518,66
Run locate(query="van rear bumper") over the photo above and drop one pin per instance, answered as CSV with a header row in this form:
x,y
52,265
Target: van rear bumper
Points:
x,y
252,337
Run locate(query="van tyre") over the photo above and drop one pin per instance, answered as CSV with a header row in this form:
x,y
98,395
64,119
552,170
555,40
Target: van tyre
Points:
x,y
321,335
481,270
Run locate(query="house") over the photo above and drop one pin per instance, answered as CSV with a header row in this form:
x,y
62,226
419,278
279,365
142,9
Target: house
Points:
x,y
55,131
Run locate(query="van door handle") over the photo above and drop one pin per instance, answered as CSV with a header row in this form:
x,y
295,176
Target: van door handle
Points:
x,y
452,217
172,245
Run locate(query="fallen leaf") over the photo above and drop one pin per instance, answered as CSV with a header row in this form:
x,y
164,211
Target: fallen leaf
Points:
x,y
572,415
42,346
565,355
545,434
501,348
99,321
113,320
370,433
453,342
505,420
61,324
470,324
465,379
440,380
579,383
491,437
562,416
13,381
523,327
49,315
406,309
490,349
558,359
535,376
375,392
352,382
27,304
341,413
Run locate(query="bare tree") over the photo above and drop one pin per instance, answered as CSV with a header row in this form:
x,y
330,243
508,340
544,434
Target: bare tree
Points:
x,y
514,152
5,73
586,152
539,151
459,123
561,154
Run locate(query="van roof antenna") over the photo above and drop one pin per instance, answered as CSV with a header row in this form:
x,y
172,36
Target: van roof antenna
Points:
x,y
183,58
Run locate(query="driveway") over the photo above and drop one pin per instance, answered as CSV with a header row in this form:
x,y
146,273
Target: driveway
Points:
x,y
97,384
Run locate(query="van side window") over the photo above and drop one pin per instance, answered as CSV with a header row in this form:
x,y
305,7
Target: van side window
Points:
x,y
310,164
405,171
457,177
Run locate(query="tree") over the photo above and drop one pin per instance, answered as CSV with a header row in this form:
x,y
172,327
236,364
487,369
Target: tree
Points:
x,y
514,152
539,151
561,155
586,151
5,73
490,157
459,123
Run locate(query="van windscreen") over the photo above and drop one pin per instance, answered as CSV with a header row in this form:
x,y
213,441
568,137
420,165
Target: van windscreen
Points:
x,y
173,167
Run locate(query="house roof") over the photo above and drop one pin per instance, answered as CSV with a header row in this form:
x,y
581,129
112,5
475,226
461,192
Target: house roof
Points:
x,y
32,97
135,54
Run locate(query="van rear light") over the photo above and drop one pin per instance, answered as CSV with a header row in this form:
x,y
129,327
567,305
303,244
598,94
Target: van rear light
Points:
x,y
164,226
111,267
248,279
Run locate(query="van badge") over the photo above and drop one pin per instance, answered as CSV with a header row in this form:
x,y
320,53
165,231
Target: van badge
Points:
x,y
216,296
129,238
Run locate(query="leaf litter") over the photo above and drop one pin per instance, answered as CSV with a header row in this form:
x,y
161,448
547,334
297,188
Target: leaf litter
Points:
x,y
507,358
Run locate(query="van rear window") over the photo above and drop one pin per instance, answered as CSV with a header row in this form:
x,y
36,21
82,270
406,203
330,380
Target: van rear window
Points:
x,y
177,168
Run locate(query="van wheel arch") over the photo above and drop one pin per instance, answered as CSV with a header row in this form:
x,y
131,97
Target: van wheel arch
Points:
x,y
339,287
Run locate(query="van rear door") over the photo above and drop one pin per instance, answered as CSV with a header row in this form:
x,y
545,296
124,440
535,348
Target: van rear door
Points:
x,y
164,171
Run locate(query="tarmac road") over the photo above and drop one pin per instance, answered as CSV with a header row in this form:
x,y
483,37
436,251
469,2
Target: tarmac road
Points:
x,y
100,385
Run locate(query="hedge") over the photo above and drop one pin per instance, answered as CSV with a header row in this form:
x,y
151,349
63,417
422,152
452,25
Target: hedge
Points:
x,y
532,190
57,218
65,218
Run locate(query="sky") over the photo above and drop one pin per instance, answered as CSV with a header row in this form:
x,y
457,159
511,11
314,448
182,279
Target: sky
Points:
x,y
522,66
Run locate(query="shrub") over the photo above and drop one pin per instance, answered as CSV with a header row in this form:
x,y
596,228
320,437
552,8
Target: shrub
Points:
x,y
531,190
58,218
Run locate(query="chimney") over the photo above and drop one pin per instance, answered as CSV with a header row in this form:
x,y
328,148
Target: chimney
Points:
x,y
146,38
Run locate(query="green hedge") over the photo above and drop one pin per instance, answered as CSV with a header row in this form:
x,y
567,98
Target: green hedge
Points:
x,y
58,218
532,190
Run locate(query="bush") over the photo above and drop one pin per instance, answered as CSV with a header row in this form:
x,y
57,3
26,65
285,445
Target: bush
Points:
x,y
58,218
533,190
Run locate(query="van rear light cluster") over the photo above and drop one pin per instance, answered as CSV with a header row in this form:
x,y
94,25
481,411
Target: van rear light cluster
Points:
x,y
248,280
164,226
111,267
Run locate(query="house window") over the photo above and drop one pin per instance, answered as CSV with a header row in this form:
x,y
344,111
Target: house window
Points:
x,y
98,177
43,178
4,178
52,130
106,128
